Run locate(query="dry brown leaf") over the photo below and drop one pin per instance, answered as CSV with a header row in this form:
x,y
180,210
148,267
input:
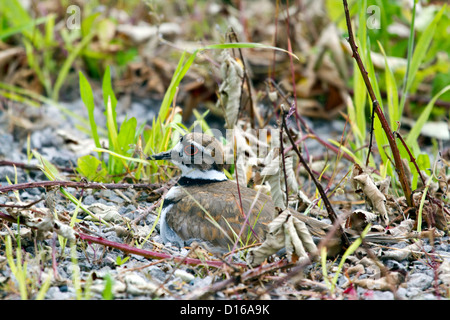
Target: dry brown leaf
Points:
x,y
42,220
402,229
375,197
105,212
384,284
359,219
405,253
285,231
230,89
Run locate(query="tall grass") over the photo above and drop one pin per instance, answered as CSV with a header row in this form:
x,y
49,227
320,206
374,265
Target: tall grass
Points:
x,y
357,110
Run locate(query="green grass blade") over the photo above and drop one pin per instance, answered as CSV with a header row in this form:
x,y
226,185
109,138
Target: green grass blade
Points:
x,y
392,92
117,155
88,99
413,135
419,53
17,16
355,245
45,286
22,27
244,45
62,74
113,166
409,56
108,93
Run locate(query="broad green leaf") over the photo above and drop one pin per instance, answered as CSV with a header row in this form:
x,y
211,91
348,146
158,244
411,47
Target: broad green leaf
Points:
x,y
91,168
127,135
423,161
87,24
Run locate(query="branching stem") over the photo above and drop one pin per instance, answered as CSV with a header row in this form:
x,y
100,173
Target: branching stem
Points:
x,y
376,107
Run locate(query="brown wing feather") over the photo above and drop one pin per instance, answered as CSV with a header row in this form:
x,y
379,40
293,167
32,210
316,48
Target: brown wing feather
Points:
x,y
189,220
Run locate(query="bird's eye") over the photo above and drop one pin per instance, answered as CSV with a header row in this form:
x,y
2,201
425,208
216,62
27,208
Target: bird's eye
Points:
x,y
190,150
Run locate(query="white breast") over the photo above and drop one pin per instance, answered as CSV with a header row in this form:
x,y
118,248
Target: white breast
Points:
x,y
167,233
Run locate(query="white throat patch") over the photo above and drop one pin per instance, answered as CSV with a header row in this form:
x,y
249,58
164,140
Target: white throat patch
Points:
x,y
192,173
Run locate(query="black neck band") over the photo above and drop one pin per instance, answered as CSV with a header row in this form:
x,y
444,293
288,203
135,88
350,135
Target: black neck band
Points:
x,y
189,181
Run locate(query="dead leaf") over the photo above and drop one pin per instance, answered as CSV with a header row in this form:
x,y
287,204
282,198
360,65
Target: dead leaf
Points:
x,y
285,231
405,253
402,229
375,197
359,219
384,284
106,213
231,87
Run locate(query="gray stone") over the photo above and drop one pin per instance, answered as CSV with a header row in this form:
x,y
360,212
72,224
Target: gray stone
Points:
x,y
419,280
157,273
382,295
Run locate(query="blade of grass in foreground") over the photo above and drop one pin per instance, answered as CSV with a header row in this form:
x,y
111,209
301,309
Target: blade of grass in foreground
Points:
x,y
88,100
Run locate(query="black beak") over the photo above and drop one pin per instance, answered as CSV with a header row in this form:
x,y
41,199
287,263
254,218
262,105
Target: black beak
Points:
x,y
161,156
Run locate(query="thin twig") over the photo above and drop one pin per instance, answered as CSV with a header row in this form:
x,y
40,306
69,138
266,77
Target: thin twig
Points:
x,y
308,129
411,157
284,166
27,166
21,206
240,278
82,185
151,254
372,120
334,218
291,63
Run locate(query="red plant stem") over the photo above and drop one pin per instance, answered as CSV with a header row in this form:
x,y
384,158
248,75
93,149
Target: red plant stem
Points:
x,y
141,252
151,254
376,106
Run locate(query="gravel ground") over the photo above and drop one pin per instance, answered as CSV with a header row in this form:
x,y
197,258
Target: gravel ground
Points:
x,y
426,277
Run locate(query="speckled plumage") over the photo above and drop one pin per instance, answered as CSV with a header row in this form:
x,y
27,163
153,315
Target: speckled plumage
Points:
x,y
203,187
188,217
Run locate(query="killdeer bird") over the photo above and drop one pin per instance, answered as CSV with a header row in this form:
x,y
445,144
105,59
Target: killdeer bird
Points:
x,y
205,206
